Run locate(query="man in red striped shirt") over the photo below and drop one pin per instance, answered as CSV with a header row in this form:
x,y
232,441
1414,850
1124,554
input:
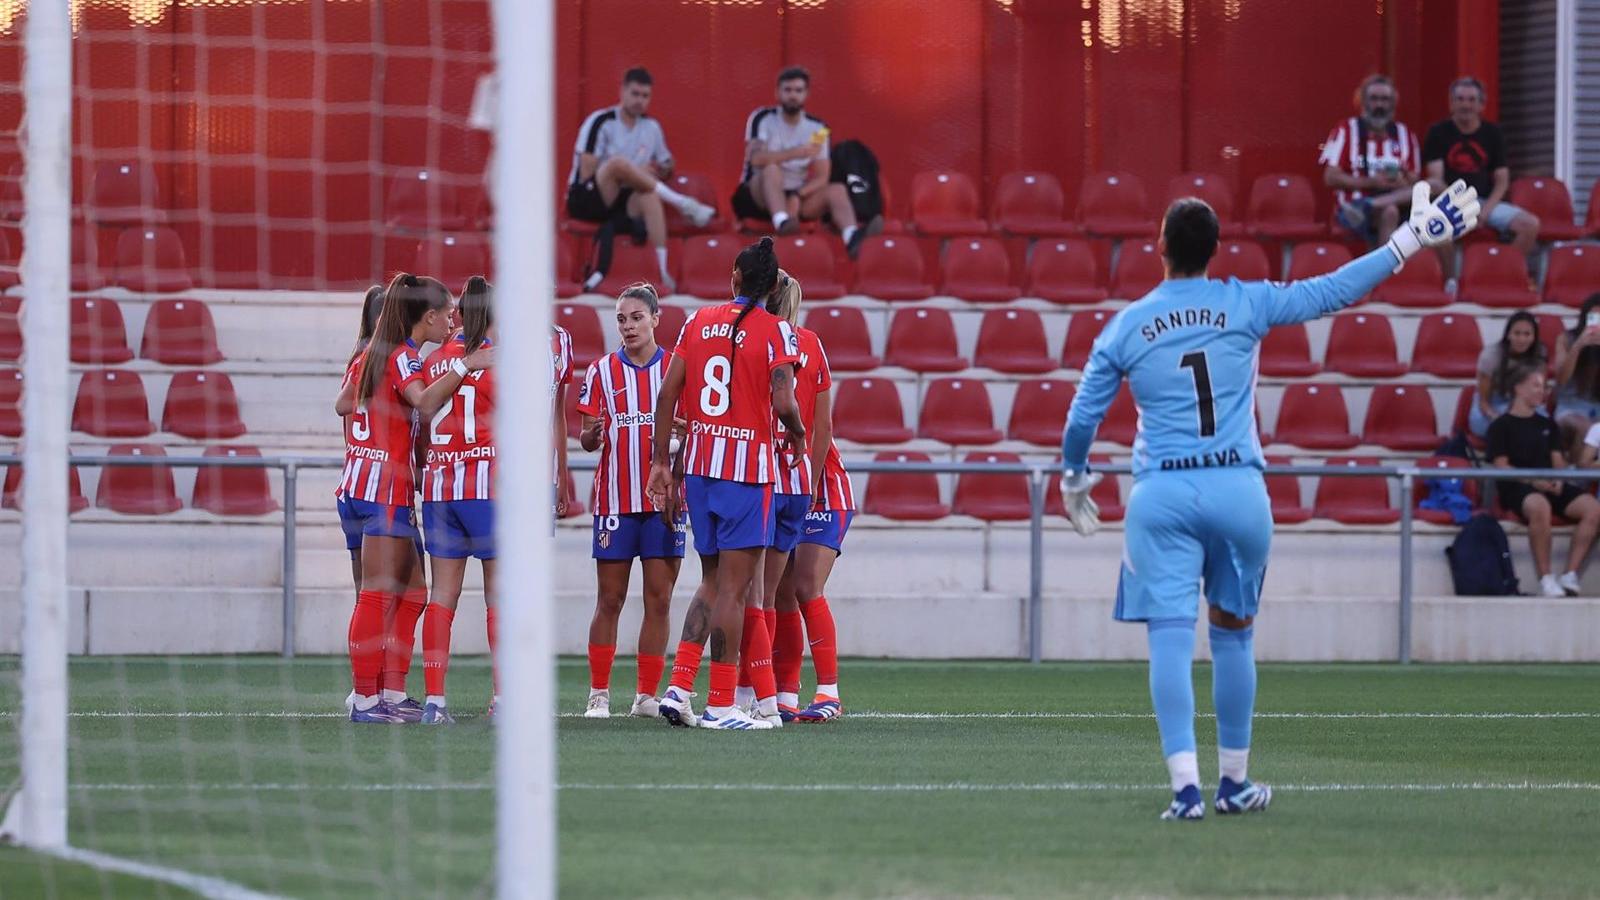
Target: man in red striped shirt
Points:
x,y
1371,161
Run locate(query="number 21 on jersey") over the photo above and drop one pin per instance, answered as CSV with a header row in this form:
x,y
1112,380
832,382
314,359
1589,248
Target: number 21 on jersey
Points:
x,y
467,396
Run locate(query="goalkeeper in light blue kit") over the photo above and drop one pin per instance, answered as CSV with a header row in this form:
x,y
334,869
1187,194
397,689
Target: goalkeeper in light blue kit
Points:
x,y
1199,511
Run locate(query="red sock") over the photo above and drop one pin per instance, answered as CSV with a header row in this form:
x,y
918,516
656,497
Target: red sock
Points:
x,y
723,676
788,651
402,639
650,669
436,624
744,653
824,646
366,642
493,667
759,653
772,625
600,656
686,665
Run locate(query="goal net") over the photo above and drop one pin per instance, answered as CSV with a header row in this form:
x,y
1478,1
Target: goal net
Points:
x,y
197,195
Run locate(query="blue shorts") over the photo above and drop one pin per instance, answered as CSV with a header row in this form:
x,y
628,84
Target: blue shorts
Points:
x,y
1183,527
363,517
458,529
728,515
827,527
639,535
788,519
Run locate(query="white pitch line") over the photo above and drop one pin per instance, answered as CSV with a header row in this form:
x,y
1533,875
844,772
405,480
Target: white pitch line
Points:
x,y
891,716
204,885
909,788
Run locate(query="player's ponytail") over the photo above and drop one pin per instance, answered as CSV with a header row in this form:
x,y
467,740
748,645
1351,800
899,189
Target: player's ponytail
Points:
x,y
785,300
370,306
477,312
405,301
758,270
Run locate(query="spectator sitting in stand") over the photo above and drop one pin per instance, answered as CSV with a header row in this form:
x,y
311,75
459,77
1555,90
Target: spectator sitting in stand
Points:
x,y
1371,161
1578,374
1518,346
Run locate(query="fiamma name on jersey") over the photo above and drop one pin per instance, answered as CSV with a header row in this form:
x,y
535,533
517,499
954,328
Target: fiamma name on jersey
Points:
x,y
721,329
437,370
452,456
634,420
712,429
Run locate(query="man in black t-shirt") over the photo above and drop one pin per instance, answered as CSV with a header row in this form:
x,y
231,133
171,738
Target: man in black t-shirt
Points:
x,y
1525,438
1473,149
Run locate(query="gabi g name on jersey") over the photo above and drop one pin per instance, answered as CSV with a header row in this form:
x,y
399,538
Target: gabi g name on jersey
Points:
x,y
1188,317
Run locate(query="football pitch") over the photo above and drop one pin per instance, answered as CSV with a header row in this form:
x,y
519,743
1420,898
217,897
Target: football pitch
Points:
x,y
944,779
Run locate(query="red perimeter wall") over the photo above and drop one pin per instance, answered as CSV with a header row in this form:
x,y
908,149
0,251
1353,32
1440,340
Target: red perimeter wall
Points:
x,y
274,125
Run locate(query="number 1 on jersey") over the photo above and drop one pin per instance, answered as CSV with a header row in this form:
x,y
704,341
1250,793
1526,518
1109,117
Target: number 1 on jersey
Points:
x,y
1195,362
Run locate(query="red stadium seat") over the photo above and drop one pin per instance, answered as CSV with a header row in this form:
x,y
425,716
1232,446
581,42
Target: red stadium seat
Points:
x,y
422,200
706,264
923,340
845,337
574,418
1317,258
137,490
809,260
1420,284
693,184
631,263
1314,416
588,338
977,269
1401,417
9,276
1286,352
11,403
1244,260
1031,204
890,268
1082,329
1121,424
1355,500
1013,341
151,260
957,411
12,496
567,270
1447,345
945,204
99,336
1282,207
868,411
233,490
1139,269
575,506
904,496
202,405
1495,275
1039,412
111,403
1572,275
1362,345
1114,204
1063,272
11,206
86,272
992,497
124,192
10,329
669,326
1548,199
1591,221
1284,491
1214,190
453,258
180,333
1424,487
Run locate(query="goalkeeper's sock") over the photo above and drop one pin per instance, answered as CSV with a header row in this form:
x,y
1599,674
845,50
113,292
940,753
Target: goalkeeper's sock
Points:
x,y
723,677
366,642
600,657
686,666
1233,693
788,650
759,653
650,668
436,623
820,632
402,640
494,666
1172,694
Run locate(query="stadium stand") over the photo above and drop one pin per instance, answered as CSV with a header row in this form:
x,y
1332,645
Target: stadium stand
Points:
x,y
1492,275
707,260
992,497
1241,259
11,404
1314,417
1013,341
1215,190
150,259
1284,492
1572,274
86,273
923,340
891,268
1286,353
1039,411
632,262
137,490
111,403
1447,346
1401,417
12,496
452,258
945,204
1591,221
180,333
1031,204
124,192
1315,258
1420,284
957,411
98,335
233,490
1283,208
868,411
1138,270
1424,487
1548,199
1122,420
10,329
419,200
1363,346
589,340
1082,329
977,269
8,264
693,184
1114,205
670,325
810,260
1063,272
202,406
845,337
904,496
1354,500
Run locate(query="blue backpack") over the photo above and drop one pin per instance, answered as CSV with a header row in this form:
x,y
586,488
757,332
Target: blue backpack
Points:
x,y
1480,560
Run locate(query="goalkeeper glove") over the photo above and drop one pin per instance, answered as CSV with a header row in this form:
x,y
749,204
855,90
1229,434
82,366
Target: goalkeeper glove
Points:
x,y
1446,219
1081,508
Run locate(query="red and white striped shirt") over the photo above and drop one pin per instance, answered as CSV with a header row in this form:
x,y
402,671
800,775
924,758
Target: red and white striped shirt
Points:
x,y
560,359
461,450
380,436
812,377
727,392
837,494
623,397
1358,150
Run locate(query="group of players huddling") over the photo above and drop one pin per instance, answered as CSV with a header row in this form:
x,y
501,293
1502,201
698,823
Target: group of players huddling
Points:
x,y
748,460
768,519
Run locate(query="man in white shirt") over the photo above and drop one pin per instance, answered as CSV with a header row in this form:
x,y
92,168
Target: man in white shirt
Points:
x,y
786,167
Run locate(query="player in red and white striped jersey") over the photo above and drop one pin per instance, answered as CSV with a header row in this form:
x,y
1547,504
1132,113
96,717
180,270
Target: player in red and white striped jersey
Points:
x,y
560,381
618,403
1371,161
458,488
383,400
733,367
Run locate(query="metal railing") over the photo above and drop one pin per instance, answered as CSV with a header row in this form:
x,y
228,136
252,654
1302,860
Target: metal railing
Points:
x,y
1038,475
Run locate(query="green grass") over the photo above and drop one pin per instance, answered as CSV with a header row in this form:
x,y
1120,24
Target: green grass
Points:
x,y
307,805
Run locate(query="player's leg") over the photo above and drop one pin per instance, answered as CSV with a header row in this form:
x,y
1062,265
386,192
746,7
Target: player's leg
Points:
x,y
611,592
350,524
384,573
788,641
752,639
1586,510
490,588
661,557
815,558
437,623
401,635
742,516
675,706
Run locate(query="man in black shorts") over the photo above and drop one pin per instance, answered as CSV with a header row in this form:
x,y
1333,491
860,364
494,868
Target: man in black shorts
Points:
x,y
1525,438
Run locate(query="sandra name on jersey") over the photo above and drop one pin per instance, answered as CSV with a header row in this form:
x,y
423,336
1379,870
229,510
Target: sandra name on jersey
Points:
x,y
1188,317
